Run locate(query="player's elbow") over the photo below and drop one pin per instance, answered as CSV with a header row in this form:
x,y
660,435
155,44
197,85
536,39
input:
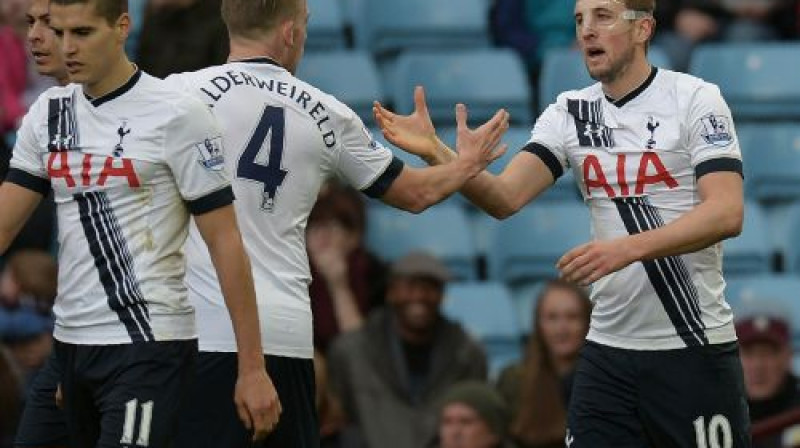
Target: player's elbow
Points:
x,y
732,222
504,209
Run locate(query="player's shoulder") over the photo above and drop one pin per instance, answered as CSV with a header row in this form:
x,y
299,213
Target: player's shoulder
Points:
x,y
55,93
172,102
186,81
685,85
331,103
590,93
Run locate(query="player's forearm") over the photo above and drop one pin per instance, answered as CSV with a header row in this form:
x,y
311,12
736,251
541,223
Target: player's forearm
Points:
x,y
236,280
707,224
17,205
417,189
484,190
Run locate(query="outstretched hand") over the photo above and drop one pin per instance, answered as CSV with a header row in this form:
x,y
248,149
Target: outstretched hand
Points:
x,y
480,147
413,133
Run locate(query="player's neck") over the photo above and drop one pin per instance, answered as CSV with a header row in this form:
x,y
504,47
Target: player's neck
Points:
x,y
119,74
242,49
631,79
62,79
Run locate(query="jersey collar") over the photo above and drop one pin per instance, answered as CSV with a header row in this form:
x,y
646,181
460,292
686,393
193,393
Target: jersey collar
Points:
x,y
96,102
636,92
258,60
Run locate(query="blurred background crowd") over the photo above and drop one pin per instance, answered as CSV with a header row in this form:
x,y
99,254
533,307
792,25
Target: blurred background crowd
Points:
x,y
449,328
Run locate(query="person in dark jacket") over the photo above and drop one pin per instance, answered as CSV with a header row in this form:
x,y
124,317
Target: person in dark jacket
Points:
x,y
390,374
772,389
181,36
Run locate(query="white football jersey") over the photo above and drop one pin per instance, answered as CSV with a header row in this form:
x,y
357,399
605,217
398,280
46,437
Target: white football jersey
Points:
x,y
126,169
284,138
637,161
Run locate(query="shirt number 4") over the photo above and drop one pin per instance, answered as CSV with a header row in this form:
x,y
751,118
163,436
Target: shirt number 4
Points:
x,y
272,124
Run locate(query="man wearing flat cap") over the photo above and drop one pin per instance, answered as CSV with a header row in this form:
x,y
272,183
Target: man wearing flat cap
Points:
x,y
391,373
772,389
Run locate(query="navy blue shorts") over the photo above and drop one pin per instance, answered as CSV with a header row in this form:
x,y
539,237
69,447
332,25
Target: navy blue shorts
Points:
x,y
43,424
686,398
210,419
125,395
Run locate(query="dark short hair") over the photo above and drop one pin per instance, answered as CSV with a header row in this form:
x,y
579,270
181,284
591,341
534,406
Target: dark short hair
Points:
x,y
107,9
251,18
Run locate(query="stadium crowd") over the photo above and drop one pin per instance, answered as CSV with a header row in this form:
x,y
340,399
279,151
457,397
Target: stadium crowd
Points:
x,y
395,367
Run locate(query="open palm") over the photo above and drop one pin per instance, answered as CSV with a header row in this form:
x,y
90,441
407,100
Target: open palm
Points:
x,y
413,133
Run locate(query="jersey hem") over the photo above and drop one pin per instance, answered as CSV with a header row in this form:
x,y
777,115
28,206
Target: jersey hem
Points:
x,y
165,328
715,336
226,347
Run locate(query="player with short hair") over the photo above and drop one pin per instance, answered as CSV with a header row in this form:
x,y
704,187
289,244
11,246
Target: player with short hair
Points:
x,y
125,157
283,138
42,424
658,162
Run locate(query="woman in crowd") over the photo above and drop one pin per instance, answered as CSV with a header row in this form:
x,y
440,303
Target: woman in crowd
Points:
x,y
538,388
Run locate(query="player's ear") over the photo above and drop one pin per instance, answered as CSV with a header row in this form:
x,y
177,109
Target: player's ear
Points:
x,y
287,33
123,27
645,30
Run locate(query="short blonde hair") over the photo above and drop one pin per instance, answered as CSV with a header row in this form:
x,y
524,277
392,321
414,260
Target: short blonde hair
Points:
x,y
251,18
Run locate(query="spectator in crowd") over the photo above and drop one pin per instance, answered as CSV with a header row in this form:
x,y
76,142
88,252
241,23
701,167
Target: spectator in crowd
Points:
x,y
27,291
538,389
13,70
28,336
473,415
10,398
390,373
348,280
683,24
772,389
29,280
181,36
531,28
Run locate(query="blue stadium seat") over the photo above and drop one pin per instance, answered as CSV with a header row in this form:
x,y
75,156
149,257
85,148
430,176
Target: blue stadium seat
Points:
x,y
749,253
757,79
775,294
352,11
525,299
526,247
789,240
485,80
350,76
442,230
771,153
564,70
487,312
325,26
389,27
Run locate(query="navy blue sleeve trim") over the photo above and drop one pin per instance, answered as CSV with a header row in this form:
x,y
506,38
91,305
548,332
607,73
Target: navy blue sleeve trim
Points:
x,y
547,157
211,202
718,165
385,180
27,180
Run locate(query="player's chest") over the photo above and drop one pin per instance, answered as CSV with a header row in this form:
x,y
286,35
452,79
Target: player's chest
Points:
x,y
87,152
622,155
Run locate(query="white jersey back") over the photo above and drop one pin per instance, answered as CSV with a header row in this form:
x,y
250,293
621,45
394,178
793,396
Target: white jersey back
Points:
x,y
125,170
637,162
284,138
